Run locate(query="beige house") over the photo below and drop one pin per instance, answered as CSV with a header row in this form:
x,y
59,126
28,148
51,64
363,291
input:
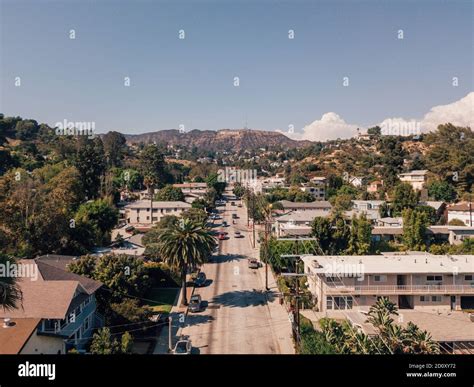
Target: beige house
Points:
x,y
140,212
415,178
419,281
462,211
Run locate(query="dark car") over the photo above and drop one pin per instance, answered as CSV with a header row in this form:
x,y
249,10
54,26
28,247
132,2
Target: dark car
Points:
x,y
195,304
253,263
200,279
234,216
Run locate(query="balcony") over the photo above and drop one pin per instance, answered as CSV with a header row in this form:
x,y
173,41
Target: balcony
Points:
x,y
399,289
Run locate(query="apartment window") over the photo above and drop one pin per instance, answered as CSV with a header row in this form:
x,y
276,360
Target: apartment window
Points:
x,y
468,277
147,218
380,278
435,298
328,303
424,298
434,278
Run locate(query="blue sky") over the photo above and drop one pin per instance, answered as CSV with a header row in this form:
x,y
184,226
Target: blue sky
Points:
x,y
190,81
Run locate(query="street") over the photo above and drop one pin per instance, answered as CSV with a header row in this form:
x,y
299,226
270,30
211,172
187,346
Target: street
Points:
x,y
240,317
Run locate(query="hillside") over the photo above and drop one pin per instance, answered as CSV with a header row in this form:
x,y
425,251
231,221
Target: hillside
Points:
x,y
225,139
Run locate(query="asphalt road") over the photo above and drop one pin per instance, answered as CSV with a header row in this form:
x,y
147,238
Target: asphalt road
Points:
x,y
236,319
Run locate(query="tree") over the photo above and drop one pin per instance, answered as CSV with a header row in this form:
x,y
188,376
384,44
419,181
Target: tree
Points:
x,y
126,343
238,190
95,220
129,311
90,162
375,131
185,246
314,343
392,157
84,266
360,236
103,343
123,275
10,291
341,202
195,215
170,194
441,190
415,224
114,147
404,197
322,230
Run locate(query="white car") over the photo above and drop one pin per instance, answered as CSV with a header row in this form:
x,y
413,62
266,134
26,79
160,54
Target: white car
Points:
x,y
182,347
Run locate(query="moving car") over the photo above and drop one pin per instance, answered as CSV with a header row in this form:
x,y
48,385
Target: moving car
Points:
x,y
232,203
224,223
237,234
200,279
182,347
221,236
195,304
239,205
234,216
253,263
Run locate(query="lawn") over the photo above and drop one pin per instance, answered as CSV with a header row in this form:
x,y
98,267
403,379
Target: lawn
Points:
x,y
161,299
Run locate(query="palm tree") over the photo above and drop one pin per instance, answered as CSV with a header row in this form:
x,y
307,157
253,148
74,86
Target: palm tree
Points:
x,y
184,246
10,292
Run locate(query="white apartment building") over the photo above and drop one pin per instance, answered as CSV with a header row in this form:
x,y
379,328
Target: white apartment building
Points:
x,y
416,178
316,187
370,208
139,212
462,211
420,281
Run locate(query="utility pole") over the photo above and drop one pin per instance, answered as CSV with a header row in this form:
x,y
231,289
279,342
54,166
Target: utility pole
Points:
x,y
170,344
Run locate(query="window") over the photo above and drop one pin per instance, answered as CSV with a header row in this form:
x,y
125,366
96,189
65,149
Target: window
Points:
x,y
434,278
380,278
328,303
86,323
424,298
435,298
468,277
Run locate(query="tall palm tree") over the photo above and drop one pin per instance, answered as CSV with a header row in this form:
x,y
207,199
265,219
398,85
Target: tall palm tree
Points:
x,y
184,246
10,292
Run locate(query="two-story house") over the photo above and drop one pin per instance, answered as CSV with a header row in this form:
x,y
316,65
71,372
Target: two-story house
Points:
x,y
416,178
141,212
58,311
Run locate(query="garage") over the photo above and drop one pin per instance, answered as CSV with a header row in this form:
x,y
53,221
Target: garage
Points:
x,y
467,302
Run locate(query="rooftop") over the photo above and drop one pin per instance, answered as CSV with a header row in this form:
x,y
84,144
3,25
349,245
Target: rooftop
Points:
x,y
302,216
310,205
13,339
393,263
464,206
157,204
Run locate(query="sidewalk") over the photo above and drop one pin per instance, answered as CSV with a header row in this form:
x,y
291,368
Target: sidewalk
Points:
x,y
282,331
162,342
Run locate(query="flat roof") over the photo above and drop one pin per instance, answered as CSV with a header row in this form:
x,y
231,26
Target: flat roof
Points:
x,y
315,204
303,216
158,204
422,263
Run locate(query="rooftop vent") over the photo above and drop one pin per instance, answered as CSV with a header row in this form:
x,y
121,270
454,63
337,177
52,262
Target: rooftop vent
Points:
x,y
8,323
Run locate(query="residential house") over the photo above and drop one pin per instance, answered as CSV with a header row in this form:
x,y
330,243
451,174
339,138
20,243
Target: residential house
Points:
x,y
316,187
58,310
416,178
139,213
462,211
375,186
370,208
297,222
320,205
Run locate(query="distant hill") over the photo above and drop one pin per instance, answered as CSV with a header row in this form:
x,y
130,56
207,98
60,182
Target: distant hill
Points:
x,y
225,139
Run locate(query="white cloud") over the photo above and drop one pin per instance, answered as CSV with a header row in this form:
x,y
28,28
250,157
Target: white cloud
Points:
x,y
331,126
459,113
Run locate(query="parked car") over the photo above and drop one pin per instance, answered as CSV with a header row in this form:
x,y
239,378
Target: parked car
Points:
x,y
195,304
224,223
221,236
182,347
234,216
200,279
239,205
232,203
253,263
237,234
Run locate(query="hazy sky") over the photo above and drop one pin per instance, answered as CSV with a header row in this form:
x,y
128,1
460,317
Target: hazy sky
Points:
x,y
190,82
